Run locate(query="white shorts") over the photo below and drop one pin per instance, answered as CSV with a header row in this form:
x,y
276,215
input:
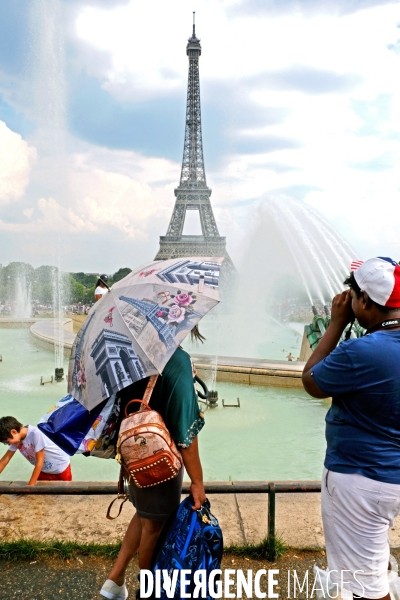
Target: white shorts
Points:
x,y
357,513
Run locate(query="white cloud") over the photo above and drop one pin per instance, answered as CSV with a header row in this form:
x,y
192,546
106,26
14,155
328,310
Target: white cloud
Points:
x,y
129,200
326,126
16,160
146,43
344,137
144,58
47,216
114,200
107,191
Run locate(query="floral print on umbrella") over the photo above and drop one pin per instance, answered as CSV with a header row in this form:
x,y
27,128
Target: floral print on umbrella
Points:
x,y
80,375
178,310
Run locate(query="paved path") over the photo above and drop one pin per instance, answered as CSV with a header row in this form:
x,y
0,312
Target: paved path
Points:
x,y
243,518
81,577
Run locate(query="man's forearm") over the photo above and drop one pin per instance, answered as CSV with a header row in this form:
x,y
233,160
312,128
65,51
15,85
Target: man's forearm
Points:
x,y
341,316
327,343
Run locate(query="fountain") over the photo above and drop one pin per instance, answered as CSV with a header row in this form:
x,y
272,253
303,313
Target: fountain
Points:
x,y
58,312
16,290
23,297
293,260
303,245
49,110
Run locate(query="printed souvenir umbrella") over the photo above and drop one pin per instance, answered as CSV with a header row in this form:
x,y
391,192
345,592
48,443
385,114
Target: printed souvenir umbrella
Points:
x,y
135,328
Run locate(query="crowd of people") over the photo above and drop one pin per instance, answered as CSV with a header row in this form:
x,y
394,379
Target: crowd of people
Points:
x,y
78,309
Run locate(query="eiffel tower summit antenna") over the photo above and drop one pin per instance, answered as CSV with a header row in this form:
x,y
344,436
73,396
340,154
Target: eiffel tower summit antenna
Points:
x,y
192,192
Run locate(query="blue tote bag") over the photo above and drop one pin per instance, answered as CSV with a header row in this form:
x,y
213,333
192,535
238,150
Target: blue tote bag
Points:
x,y
68,422
190,539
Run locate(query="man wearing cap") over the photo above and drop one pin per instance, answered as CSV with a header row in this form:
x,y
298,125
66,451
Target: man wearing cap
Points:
x,y
360,491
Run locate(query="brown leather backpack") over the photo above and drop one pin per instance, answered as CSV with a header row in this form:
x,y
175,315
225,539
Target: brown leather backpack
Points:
x,y
145,447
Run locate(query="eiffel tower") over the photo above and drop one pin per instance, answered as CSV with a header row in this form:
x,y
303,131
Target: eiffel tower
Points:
x,y
192,192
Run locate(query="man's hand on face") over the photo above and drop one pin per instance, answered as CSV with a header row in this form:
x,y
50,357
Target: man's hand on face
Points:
x,y
342,313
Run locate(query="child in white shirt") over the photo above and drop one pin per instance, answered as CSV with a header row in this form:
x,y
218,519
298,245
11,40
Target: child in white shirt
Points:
x,y
50,462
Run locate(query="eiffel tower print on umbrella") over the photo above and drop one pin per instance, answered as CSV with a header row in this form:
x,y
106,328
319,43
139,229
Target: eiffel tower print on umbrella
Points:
x,y
134,329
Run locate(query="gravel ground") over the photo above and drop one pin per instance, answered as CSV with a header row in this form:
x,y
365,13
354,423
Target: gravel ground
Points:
x,y
81,578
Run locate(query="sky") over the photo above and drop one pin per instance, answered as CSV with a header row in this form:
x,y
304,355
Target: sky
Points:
x,y
300,102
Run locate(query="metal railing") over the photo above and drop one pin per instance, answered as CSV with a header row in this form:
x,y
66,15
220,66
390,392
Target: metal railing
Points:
x,y
83,488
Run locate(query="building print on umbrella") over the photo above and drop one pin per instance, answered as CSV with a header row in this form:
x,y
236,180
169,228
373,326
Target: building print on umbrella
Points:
x,y
117,364
78,369
150,310
190,272
150,319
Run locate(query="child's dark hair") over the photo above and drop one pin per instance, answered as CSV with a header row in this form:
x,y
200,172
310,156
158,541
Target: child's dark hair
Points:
x,y
6,424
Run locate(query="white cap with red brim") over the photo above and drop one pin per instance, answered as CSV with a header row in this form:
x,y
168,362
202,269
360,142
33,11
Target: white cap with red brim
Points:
x,y
380,279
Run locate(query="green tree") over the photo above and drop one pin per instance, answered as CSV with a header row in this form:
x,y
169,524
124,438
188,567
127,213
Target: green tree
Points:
x,y
121,273
85,279
43,284
76,291
89,295
76,287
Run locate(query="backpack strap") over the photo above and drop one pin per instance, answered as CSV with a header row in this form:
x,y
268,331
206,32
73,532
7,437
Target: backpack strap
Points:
x,y
150,388
122,495
143,407
147,395
124,499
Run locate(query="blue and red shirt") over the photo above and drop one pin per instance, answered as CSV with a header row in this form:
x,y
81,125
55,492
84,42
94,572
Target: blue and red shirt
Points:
x,y
363,424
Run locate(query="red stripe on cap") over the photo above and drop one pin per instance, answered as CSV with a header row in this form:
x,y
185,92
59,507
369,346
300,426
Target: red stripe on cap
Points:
x,y
394,299
356,264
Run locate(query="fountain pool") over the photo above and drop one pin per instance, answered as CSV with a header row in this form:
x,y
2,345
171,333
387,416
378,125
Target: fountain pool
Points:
x,y
276,434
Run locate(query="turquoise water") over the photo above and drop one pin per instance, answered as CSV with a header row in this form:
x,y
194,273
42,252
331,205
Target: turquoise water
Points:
x,y
247,337
277,433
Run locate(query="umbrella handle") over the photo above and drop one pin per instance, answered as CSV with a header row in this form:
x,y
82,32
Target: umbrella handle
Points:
x,y
203,385
132,401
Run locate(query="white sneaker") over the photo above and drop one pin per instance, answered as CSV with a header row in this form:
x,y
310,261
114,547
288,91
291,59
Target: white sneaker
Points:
x,y
112,591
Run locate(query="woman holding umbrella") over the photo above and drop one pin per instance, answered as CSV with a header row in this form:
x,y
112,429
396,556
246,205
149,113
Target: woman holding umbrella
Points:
x,y
174,397
151,311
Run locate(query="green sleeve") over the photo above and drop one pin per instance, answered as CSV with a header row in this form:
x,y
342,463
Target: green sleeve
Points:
x,y
180,406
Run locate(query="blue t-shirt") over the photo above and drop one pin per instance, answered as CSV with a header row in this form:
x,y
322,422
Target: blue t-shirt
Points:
x,y
363,424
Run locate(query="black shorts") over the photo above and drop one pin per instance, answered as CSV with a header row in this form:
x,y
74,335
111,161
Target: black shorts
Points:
x,y
159,501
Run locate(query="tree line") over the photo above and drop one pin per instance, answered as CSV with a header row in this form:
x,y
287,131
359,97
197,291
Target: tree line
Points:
x,y
43,281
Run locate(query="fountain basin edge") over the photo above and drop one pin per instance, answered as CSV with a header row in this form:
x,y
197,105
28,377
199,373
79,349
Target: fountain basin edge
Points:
x,y
241,370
